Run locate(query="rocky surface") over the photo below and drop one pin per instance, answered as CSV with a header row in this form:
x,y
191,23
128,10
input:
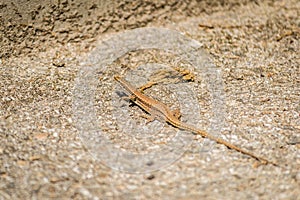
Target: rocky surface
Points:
x,y
255,45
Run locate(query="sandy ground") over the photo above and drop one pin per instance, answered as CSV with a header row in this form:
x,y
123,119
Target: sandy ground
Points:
x,y
255,46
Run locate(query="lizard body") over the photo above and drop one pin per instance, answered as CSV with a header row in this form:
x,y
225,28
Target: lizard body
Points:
x,y
160,111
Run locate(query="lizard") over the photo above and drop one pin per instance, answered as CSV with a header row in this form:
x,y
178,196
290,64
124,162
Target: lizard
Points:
x,y
162,112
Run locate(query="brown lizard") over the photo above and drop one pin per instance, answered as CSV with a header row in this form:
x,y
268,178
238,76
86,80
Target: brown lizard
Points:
x,y
160,111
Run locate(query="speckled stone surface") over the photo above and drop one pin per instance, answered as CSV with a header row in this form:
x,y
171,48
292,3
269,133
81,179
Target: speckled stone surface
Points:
x,y
255,45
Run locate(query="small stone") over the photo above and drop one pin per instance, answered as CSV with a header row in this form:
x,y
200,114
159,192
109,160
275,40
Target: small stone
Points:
x,y
151,177
41,136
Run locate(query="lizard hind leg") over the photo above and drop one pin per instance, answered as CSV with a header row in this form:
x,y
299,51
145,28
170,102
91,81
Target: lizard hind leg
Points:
x,y
149,118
